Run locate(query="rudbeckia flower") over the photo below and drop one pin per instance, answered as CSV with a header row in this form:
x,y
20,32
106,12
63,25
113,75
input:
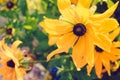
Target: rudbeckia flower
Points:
x,y
78,28
10,60
33,5
7,32
106,59
8,4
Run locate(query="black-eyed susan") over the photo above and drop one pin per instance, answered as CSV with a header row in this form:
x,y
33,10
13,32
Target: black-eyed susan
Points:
x,y
7,32
10,60
8,4
33,5
78,28
104,60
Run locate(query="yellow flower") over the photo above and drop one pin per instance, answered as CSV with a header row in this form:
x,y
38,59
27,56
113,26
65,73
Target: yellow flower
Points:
x,y
35,5
7,32
8,4
104,58
78,28
9,59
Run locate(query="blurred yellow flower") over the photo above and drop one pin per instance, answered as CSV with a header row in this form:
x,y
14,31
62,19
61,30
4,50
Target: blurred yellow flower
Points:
x,y
35,5
78,28
104,58
10,60
7,32
8,4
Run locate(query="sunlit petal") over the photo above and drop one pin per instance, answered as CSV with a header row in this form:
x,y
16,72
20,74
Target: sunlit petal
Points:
x,y
56,27
67,10
106,14
106,63
89,47
63,41
78,52
84,3
103,41
53,39
114,34
98,67
106,25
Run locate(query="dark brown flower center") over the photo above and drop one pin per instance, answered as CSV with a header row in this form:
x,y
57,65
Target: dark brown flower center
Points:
x,y
11,64
79,29
9,31
10,5
98,49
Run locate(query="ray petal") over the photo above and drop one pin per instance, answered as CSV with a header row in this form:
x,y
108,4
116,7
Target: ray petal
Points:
x,y
84,3
89,48
106,63
56,27
98,66
16,44
106,25
114,34
78,53
67,40
53,39
67,10
106,14
102,41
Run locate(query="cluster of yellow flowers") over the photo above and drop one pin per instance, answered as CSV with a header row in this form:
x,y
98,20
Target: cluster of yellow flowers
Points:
x,y
10,58
90,35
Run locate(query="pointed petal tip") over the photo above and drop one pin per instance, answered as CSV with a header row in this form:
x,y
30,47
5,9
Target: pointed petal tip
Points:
x,y
48,57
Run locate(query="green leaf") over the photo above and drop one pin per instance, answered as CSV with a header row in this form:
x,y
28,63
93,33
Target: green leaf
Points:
x,y
23,7
66,76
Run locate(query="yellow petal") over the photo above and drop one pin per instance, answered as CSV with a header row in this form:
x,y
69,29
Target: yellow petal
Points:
x,y
84,3
106,14
116,44
67,40
89,47
102,41
67,11
114,34
106,25
57,51
106,63
115,51
83,12
19,73
110,56
56,27
53,39
78,53
64,44
16,44
98,66
89,69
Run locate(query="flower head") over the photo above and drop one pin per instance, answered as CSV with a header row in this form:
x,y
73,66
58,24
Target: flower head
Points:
x,y
78,28
7,4
10,60
104,58
8,32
